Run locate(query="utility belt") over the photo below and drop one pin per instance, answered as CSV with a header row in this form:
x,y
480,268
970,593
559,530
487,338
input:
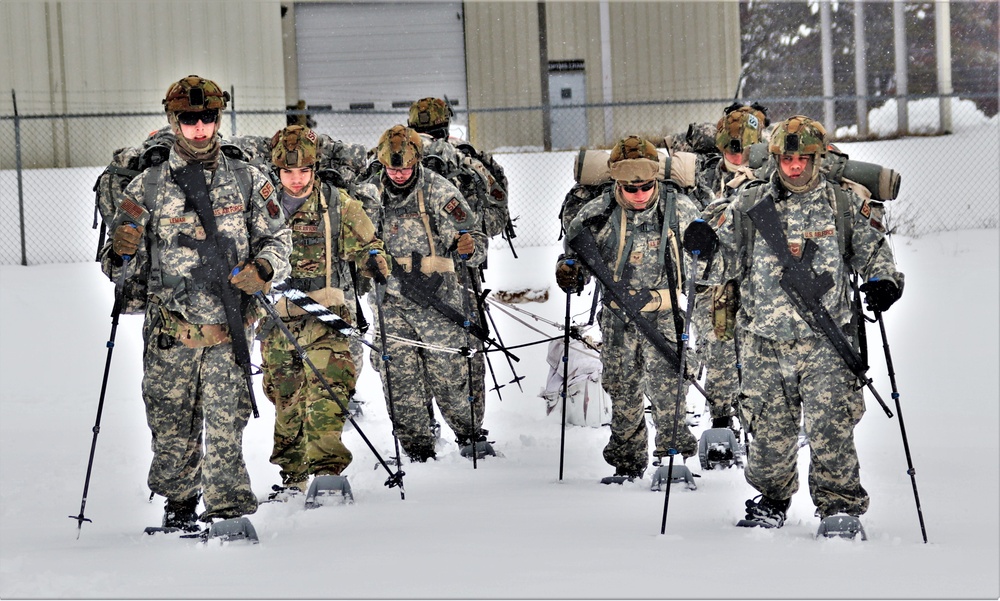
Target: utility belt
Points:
x,y
659,302
427,264
328,297
191,335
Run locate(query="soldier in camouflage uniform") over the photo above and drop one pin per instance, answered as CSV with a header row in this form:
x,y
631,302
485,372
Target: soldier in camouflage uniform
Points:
x,y
791,371
195,393
426,225
329,230
633,223
718,180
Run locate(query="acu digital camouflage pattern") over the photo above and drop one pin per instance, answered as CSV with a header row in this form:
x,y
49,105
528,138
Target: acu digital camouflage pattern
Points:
x,y
187,380
791,370
632,367
308,423
419,374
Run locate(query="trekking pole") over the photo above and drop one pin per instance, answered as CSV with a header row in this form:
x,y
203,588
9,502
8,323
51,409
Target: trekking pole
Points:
x,y
483,324
680,381
565,375
466,310
395,479
115,312
902,429
484,309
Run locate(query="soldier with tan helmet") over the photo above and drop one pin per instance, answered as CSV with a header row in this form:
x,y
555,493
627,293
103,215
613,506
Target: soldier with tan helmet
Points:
x,y
637,224
196,396
428,227
330,230
794,370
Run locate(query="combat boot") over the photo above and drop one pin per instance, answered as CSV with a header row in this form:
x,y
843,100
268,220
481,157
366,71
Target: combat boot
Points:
x,y
182,514
767,513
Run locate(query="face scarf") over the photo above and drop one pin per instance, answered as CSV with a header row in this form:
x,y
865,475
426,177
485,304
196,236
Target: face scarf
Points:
x,y
207,155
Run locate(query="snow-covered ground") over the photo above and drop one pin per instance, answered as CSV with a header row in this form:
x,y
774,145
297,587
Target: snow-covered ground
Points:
x,y
512,528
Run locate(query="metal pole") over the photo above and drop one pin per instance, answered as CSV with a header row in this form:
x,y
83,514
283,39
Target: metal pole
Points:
x,y
543,69
942,36
861,68
20,182
826,50
902,87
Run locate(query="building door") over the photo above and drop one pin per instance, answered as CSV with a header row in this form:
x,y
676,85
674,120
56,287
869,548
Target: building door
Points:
x,y
569,125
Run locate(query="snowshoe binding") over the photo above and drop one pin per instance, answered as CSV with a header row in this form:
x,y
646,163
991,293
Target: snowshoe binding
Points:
x,y
666,474
178,516
841,526
286,492
719,448
623,475
766,513
483,447
228,531
329,490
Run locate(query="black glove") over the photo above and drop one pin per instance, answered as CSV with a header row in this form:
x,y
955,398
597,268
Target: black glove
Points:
x,y
569,277
700,237
880,294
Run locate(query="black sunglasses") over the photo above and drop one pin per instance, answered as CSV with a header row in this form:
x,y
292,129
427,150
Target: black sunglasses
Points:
x,y
192,118
639,188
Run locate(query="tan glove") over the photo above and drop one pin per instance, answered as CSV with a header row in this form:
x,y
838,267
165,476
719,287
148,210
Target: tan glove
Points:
x,y
125,241
377,267
248,279
466,245
568,276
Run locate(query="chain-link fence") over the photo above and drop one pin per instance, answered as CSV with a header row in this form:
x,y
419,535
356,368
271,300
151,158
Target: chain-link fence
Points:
x,y
47,213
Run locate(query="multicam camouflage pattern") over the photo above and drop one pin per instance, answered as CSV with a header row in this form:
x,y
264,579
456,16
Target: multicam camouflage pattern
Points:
x,y
419,374
791,370
308,423
784,382
810,137
632,367
742,125
399,147
699,139
429,113
207,95
182,386
294,147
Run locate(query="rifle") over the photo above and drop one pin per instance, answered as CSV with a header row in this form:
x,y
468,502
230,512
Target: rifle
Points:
x,y
421,289
806,289
630,301
218,258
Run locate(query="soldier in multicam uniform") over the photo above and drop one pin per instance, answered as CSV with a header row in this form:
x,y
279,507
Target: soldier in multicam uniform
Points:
x,y
718,180
191,381
467,168
631,222
790,370
329,229
423,220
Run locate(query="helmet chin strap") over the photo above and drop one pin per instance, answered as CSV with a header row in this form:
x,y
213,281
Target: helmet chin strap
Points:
x,y
801,183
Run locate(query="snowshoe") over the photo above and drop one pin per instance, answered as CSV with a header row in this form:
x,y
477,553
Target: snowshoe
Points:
x,y
719,448
667,474
328,490
622,476
482,446
767,513
229,530
354,408
841,526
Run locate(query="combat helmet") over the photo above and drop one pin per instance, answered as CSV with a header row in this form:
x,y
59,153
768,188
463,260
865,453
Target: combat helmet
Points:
x,y
430,116
803,136
194,93
633,159
740,127
399,147
294,147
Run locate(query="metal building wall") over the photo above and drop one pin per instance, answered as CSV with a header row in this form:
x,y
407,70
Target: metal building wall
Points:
x,y
94,56
658,51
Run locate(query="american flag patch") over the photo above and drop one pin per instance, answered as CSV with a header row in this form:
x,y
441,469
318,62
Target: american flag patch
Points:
x,y
131,208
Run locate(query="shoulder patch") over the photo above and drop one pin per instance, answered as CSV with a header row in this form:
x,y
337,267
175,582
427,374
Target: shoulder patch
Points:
x,y
267,190
866,209
272,208
455,209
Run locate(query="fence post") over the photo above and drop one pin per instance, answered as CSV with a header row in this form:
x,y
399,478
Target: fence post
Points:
x,y
232,113
20,183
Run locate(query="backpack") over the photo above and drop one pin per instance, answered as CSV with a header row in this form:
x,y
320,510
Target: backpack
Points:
x,y
478,177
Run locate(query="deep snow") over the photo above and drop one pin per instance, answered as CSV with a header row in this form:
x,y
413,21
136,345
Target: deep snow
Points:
x,y
511,528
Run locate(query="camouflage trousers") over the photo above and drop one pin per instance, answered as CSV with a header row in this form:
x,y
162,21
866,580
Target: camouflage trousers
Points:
x,y
634,368
197,406
418,375
308,424
717,358
783,384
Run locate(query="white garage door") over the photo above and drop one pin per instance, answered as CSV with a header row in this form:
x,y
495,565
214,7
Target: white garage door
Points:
x,y
361,57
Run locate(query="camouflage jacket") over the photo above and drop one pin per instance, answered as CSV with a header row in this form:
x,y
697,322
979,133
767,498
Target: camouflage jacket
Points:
x,y
634,243
255,224
352,236
765,309
425,220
